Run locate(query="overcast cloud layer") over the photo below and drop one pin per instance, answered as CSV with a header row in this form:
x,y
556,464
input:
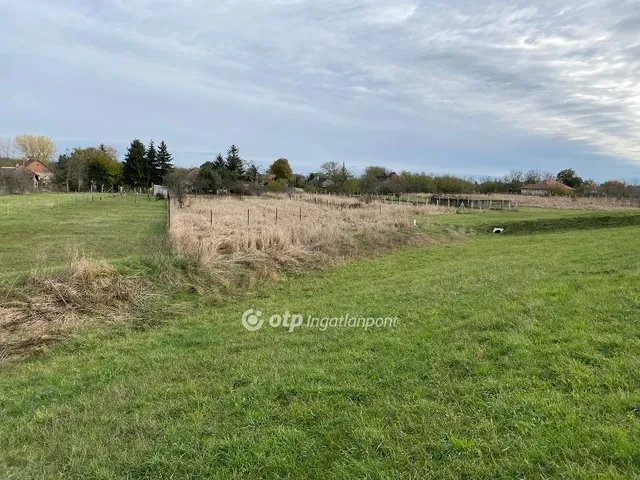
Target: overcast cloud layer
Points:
x,y
457,86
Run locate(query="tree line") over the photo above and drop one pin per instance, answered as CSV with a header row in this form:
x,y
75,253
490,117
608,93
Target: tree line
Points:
x,y
143,166
84,168
100,167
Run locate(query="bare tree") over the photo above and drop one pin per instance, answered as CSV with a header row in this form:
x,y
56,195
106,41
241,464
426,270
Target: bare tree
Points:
x,y
178,184
111,151
36,147
7,148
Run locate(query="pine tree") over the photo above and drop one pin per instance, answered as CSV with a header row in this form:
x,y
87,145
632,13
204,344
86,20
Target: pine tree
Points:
x,y
153,164
136,173
235,165
164,159
219,164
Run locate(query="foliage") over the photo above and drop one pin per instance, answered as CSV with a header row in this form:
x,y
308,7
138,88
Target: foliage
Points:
x,y
219,164
338,176
154,164
372,178
165,160
276,186
253,172
281,169
111,151
136,170
70,170
101,168
36,147
209,178
234,163
231,174
569,178
299,181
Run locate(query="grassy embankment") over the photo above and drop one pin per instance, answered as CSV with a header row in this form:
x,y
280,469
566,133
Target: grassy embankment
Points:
x,y
514,356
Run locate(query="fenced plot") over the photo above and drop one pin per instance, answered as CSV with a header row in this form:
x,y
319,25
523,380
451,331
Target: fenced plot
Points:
x,y
281,230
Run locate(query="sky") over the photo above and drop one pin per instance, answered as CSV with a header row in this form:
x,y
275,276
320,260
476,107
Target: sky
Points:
x,y
465,87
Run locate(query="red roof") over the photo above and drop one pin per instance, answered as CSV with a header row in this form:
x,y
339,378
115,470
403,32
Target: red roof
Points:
x,y
36,166
548,184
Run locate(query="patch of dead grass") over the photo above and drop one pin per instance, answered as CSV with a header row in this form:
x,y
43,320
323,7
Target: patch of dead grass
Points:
x,y
45,308
264,235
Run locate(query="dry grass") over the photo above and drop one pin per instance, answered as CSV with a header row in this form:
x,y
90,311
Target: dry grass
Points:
x,y
564,203
45,308
577,203
309,231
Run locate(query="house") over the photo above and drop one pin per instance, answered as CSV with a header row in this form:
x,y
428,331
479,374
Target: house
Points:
x,y
40,171
546,188
34,170
322,182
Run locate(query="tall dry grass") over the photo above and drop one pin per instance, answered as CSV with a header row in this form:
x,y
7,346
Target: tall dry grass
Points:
x,y
308,230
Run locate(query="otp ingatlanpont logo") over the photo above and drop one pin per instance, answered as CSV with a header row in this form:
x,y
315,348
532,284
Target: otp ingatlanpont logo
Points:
x,y
252,320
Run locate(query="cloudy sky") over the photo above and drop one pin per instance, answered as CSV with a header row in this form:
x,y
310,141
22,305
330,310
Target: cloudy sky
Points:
x,y
458,86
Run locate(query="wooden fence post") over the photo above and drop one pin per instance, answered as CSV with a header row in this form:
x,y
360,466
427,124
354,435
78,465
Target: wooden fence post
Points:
x,y
168,211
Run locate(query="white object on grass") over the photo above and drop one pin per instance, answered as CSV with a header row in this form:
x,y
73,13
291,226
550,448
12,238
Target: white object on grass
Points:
x,y
498,230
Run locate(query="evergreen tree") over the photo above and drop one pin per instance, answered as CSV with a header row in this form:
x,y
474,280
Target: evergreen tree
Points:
x,y
153,164
235,165
219,164
209,179
136,173
164,159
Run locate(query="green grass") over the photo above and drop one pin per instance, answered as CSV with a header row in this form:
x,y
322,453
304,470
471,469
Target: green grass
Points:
x,y
44,230
515,356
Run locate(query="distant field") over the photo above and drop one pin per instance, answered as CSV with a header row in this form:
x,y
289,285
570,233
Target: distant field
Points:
x,y
45,230
537,218
551,202
514,356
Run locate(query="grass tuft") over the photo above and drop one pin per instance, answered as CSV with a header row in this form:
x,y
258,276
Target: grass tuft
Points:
x,y
48,305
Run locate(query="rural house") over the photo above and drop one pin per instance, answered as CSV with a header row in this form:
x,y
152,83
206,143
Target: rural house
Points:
x,y
322,182
36,171
40,171
546,188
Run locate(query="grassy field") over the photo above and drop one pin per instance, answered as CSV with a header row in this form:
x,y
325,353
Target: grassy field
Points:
x,y
514,356
45,230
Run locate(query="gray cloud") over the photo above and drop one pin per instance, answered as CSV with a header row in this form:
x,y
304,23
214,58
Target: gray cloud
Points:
x,y
554,69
